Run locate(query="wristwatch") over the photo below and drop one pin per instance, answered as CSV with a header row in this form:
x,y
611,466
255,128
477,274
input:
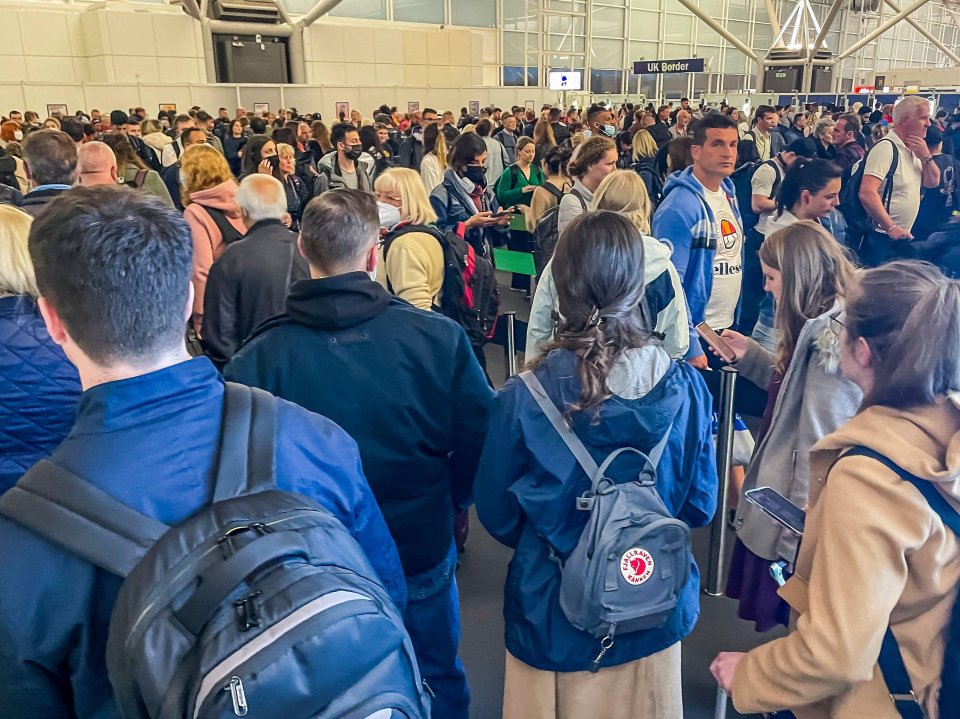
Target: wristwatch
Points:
x,y
928,158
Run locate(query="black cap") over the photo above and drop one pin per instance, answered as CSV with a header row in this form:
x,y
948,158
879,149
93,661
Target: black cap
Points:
x,y
799,147
118,117
934,136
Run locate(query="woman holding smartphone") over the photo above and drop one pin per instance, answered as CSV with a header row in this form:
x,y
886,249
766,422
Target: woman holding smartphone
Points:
x,y
808,273
875,554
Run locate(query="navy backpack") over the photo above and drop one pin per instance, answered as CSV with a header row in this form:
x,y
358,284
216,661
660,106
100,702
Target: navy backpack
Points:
x,y
260,603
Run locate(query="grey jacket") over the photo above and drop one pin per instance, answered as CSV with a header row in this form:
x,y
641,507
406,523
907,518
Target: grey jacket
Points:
x,y
814,400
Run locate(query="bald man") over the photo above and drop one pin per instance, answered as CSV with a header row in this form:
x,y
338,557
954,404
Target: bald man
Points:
x,y
96,165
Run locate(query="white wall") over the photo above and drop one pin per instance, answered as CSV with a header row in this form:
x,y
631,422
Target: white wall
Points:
x,y
122,55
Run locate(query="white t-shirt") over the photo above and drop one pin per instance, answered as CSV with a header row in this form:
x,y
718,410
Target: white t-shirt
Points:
x,y
727,262
907,180
762,182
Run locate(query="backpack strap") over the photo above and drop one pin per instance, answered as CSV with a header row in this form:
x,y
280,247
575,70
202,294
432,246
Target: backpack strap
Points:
x,y
556,192
81,518
574,443
891,660
139,179
246,461
514,176
887,195
228,232
583,203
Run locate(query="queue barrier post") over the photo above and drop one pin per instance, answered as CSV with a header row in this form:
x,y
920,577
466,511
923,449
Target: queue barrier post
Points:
x,y
717,559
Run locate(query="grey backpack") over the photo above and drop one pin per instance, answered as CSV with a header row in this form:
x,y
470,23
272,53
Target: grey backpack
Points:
x,y
633,558
261,603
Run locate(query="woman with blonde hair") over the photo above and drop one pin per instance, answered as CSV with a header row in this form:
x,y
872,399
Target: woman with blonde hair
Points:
x,y
39,388
209,195
645,165
434,162
878,569
297,193
623,192
809,275
412,253
51,123
154,137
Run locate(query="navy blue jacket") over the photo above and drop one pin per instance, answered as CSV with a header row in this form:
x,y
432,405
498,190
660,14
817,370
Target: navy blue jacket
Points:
x,y
528,482
404,383
39,389
453,205
150,441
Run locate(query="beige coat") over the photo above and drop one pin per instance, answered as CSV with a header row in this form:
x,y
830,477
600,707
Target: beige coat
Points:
x,y
874,554
414,269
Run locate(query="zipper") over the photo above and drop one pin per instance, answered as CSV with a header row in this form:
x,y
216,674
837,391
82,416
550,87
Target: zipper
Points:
x,y
162,591
218,675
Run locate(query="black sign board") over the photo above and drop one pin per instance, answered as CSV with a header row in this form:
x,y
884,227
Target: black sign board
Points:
x,y
663,67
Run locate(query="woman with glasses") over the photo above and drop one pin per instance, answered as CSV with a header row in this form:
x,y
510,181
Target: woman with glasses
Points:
x,y
879,566
809,275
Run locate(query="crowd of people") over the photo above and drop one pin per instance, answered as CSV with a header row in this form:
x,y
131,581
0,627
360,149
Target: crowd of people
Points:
x,y
145,262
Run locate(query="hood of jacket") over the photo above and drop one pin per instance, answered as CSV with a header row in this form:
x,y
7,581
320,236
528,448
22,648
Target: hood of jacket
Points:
x,y
656,257
157,140
923,440
334,303
685,179
219,197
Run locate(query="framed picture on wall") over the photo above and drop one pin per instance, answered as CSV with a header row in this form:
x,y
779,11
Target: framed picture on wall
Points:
x,y
413,106
57,111
528,104
343,111
168,107
474,108
261,108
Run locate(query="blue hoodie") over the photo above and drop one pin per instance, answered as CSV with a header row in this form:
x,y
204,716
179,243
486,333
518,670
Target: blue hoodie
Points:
x,y
685,219
528,481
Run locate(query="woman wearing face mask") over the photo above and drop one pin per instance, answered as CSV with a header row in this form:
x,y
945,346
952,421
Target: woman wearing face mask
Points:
x,y
594,159
810,191
12,168
809,275
878,565
379,153
412,254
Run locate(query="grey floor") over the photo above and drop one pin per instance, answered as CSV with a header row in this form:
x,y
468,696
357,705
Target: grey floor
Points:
x,y
481,578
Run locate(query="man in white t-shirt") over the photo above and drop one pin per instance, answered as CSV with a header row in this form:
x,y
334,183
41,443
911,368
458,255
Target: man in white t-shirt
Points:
x,y
895,209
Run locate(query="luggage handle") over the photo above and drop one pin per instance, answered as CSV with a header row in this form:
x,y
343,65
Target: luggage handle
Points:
x,y
217,584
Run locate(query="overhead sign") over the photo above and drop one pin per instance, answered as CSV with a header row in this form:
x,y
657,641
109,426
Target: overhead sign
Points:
x,y
664,67
566,80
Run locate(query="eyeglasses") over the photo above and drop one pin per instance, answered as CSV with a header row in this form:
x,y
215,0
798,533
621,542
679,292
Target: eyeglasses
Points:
x,y
384,197
836,325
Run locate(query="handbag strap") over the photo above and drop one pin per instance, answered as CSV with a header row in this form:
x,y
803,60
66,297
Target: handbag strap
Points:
x,y
891,660
573,442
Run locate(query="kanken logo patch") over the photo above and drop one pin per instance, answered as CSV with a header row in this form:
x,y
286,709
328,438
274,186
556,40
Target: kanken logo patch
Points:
x,y
636,565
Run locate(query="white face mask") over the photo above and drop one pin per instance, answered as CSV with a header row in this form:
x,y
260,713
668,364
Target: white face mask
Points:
x,y
389,215
18,135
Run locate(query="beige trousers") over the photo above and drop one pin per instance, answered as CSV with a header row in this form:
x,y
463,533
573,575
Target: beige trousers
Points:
x,y
647,688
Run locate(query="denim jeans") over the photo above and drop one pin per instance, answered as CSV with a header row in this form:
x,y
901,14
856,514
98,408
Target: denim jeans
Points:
x,y
432,619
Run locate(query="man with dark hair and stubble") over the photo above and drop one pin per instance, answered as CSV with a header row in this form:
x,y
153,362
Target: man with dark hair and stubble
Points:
x,y
113,268
349,350
50,157
171,175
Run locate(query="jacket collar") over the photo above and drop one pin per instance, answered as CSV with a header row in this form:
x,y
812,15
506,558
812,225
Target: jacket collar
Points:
x,y
263,224
455,185
339,302
138,401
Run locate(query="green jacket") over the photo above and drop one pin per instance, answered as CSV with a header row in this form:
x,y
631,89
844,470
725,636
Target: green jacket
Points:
x,y
152,183
510,186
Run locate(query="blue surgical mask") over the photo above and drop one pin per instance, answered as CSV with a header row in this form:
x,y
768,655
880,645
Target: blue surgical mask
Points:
x,y
608,130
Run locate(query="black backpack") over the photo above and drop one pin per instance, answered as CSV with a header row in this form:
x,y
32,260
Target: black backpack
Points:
x,y
858,220
742,179
469,294
547,232
260,603
646,167
515,175
228,232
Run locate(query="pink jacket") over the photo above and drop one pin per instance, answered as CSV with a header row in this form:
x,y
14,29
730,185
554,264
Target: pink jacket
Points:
x,y
207,240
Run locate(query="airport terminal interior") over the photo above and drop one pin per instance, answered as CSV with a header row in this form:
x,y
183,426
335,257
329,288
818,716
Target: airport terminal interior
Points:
x,y
478,247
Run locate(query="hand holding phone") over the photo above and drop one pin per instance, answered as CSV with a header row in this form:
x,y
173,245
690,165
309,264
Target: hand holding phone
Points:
x,y
720,348
504,212
777,507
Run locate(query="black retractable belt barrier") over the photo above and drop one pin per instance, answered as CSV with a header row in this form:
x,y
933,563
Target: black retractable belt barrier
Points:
x,y
717,559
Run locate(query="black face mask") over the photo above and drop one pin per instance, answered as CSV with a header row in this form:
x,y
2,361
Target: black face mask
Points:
x,y
353,151
477,174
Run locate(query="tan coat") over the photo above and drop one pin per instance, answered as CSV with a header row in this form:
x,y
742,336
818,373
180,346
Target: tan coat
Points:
x,y
414,269
874,554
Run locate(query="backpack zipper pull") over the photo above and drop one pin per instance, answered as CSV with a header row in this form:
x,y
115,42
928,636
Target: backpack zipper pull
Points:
x,y
605,644
235,687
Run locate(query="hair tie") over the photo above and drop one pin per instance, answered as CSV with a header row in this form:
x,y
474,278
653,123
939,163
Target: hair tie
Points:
x,y
594,319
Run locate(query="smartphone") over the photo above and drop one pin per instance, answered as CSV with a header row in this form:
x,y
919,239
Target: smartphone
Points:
x,y
503,213
777,507
274,161
716,341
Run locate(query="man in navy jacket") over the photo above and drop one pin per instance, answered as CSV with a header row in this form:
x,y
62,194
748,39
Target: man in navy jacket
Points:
x,y
406,385
114,269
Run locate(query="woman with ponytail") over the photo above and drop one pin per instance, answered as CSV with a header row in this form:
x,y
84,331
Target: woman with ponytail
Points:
x,y
875,555
617,388
810,191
